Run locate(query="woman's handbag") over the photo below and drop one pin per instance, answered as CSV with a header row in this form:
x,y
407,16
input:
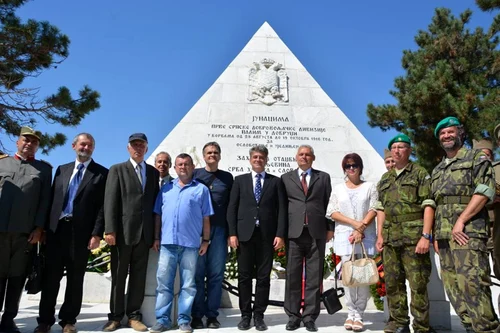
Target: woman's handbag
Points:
x,y
359,272
331,297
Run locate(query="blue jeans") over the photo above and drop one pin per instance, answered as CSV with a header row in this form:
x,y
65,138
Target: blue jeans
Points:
x,y
211,266
170,256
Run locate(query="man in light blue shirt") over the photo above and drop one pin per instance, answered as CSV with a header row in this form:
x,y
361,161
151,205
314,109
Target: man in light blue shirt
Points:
x,y
183,208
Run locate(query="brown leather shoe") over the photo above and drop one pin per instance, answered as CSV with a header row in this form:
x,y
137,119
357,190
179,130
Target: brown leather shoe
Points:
x,y
69,328
111,325
137,325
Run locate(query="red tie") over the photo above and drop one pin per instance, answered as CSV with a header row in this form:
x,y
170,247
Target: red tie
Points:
x,y
304,187
303,182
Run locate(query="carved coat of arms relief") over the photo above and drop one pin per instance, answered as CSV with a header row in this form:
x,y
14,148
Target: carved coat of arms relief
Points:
x,y
268,82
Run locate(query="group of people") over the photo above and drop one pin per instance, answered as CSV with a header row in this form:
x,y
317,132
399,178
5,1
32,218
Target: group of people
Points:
x,y
190,221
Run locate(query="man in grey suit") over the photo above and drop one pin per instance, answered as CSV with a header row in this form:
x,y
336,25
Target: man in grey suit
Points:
x,y
308,192
131,190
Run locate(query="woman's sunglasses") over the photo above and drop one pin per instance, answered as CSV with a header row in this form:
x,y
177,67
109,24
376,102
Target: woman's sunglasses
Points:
x,y
351,166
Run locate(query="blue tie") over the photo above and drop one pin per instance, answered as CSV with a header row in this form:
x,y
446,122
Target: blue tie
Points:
x,y
258,187
73,188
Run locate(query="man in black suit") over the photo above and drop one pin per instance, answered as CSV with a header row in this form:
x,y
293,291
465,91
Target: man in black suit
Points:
x,y
308,192
256,218
129,199
76,224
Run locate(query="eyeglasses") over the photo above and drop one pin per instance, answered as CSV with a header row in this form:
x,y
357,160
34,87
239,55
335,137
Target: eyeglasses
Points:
x,y
351,166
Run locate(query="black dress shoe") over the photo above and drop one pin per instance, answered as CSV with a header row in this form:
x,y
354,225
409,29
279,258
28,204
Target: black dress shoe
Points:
x,y
292,325
212,322
402,329
311,326
244,324
197,323
260,325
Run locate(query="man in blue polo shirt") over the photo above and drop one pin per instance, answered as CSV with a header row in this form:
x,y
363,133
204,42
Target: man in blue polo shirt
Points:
x,y
183,208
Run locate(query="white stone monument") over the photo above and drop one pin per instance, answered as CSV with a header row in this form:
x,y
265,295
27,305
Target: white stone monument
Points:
x,y
265,96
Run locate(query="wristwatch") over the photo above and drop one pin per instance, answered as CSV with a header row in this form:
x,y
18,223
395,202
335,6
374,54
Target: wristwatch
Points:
x,y
207,241
427,236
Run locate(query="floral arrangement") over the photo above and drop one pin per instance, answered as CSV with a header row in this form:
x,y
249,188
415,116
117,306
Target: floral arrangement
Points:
x,y
330,263
377,290
99,259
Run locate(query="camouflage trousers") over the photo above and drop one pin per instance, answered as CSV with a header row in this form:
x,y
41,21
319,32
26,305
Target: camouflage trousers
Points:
x,y
401,263
465,271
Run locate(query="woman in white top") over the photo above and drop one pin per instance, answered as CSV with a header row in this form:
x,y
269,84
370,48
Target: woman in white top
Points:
x,y
351,206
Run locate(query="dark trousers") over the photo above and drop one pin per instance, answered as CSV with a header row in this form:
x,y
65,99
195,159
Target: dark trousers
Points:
x,y
313,251
255,254
15,258
129,260
63,251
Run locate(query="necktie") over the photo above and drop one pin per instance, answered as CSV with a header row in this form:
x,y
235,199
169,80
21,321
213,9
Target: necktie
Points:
x,y
304,187
304,182
138,170
258,187
162,182
72,189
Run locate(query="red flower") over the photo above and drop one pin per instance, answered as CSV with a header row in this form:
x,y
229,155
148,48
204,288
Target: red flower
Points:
x,y
281,254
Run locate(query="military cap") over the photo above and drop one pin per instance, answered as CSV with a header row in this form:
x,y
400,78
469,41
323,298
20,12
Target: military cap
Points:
x,y
138,136
387,153
25,130
445,123
496,132
485,143
399,138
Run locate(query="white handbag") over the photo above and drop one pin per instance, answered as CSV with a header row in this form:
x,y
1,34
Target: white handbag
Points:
x,y
359,272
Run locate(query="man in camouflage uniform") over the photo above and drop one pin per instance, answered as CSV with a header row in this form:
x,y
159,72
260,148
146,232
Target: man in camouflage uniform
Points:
x,y
486,146
462,184
25,188
404,219
495,207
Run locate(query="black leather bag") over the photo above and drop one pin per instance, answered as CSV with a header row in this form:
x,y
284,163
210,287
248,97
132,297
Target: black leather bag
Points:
x,y
331,297
34,283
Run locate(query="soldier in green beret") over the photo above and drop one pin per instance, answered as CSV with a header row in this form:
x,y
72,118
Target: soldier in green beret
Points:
x,y
405,216
462,184
25,188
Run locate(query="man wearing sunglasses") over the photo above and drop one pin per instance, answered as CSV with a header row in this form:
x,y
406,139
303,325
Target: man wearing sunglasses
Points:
x,y
405,214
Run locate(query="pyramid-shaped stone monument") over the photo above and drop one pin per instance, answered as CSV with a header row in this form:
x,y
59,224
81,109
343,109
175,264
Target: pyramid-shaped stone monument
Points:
x,y
266,96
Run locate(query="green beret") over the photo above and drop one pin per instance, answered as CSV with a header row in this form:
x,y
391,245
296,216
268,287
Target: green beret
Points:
x,y
496,132
446,122
399,138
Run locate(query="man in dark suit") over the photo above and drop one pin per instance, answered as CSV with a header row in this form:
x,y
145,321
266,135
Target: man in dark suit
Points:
x,y
76,225
256,217
308,192
129,199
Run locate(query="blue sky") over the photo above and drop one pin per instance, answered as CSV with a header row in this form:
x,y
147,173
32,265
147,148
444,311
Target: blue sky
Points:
x,y
152,62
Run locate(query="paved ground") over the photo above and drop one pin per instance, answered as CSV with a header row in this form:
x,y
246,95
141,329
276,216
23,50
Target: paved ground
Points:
x,y
93,317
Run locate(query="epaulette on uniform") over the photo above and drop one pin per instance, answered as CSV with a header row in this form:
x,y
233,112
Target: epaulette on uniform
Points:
x,y
3,156
50,165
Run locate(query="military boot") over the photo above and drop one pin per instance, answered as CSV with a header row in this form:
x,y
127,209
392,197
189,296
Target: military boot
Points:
x,y
390,327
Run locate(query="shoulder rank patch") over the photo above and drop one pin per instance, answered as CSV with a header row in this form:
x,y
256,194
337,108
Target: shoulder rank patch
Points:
x,y
50,165
483,158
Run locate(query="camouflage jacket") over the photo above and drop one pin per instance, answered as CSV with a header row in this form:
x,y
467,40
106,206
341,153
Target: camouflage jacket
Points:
x,y
403,198
25,194
454,182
